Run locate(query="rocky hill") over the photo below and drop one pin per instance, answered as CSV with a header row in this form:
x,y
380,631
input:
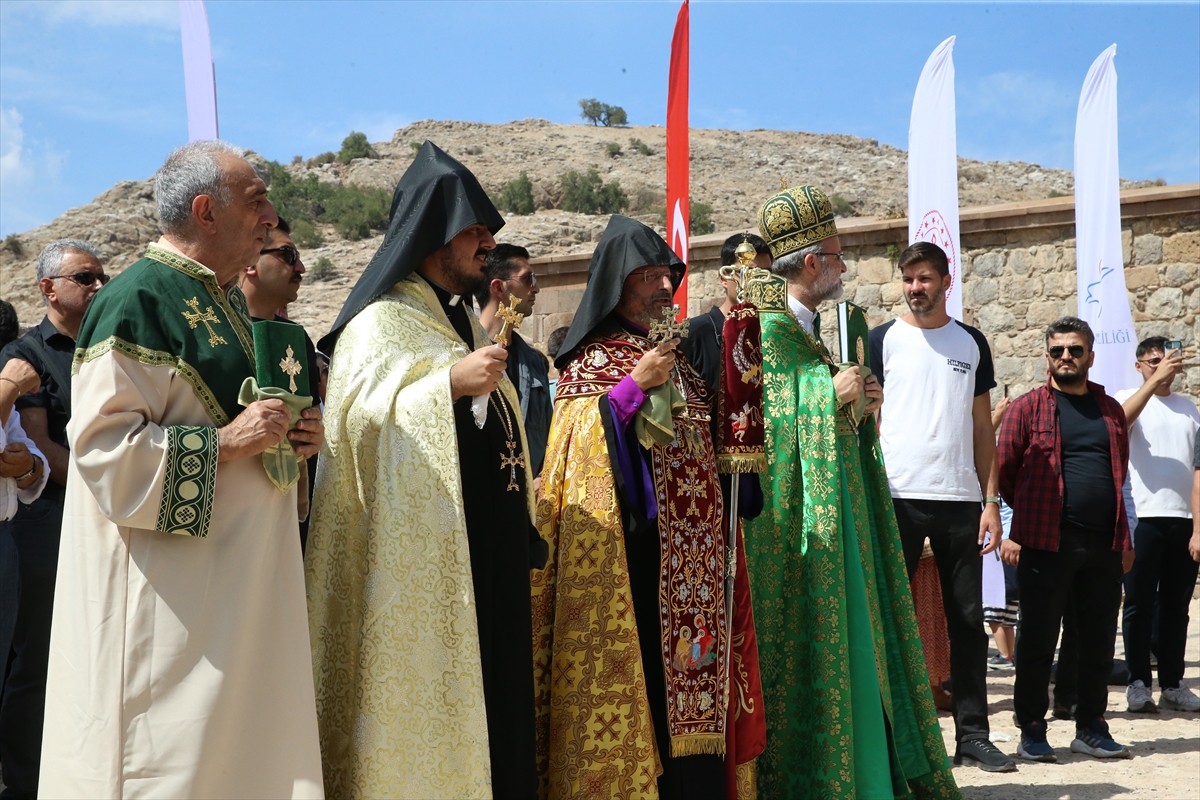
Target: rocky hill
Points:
x,y
731,171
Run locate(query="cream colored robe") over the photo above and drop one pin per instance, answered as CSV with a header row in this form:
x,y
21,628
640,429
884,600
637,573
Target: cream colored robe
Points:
x,y
399,682
179,665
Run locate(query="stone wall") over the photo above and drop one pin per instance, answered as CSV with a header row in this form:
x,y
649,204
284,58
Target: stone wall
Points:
x,y
1018,275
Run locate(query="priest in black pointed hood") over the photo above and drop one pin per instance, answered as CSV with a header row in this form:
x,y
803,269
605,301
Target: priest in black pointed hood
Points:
x,y
422,542
632,644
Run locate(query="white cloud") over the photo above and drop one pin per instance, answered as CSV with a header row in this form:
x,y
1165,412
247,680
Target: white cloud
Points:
x,y
30,171
161,14
14,161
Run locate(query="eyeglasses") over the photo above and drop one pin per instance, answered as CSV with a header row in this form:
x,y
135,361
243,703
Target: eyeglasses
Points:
x,y
654,275
84,278
1151,362
289,254
840,256
529,279
1076,350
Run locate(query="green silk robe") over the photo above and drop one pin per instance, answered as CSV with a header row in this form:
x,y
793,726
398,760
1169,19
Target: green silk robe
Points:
x,y
841,659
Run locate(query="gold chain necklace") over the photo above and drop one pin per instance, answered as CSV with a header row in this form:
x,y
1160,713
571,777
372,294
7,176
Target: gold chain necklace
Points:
x,y
513,459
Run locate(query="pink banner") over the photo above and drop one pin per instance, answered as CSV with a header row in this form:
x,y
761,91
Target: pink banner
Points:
x,y
199,74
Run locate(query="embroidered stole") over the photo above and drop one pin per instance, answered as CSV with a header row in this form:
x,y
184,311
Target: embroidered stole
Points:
x,y
693,645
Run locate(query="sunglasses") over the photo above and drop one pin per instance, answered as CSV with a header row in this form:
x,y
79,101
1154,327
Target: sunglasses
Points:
x,y
289,254
529,279
84,278
1076,350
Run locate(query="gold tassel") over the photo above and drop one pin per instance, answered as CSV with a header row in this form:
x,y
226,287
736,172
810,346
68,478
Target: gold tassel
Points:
x,y
698,744
739,463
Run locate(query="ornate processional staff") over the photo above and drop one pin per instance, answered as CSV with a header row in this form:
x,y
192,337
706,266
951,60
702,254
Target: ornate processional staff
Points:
x,y
740,397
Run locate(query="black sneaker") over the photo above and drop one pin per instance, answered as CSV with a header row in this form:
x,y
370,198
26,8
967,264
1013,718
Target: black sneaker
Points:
x,y
985,755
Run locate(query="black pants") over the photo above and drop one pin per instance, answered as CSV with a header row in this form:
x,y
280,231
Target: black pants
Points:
x,y
1086,570
1163,570
953,531
35,532
1066,674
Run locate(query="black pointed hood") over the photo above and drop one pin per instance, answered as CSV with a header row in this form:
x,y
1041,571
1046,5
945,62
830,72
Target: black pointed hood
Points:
x,y
625,245
436,199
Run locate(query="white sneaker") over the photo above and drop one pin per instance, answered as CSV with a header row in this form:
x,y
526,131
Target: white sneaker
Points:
x,y
1179,699
1140,700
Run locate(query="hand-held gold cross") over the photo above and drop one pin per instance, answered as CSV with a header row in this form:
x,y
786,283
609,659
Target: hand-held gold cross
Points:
x,y
664,330
511,319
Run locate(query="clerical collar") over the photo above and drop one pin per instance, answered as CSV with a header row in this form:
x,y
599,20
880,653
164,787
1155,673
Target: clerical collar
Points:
x,y
455,310
802,314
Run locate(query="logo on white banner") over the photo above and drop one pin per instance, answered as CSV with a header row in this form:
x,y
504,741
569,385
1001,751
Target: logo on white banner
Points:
x,y
933,229
1093,289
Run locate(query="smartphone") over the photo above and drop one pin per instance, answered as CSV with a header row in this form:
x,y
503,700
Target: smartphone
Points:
x,y
1173,344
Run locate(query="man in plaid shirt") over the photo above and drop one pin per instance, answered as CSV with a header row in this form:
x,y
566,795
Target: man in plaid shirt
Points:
x,y
1063,454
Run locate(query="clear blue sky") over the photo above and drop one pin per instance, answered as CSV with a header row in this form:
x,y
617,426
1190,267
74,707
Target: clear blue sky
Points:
x,y
91,91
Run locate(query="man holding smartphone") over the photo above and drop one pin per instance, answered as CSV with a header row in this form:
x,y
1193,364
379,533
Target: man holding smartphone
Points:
x,y
1162,436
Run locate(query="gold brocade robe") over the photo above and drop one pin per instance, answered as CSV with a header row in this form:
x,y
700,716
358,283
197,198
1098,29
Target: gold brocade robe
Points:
x,y
400,695
596,727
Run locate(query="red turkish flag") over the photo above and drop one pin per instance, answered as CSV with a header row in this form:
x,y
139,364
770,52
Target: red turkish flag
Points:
x,y
677,150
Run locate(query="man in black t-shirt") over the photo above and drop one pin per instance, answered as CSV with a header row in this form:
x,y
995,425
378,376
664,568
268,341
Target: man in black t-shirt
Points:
x,y
69,275
1063,455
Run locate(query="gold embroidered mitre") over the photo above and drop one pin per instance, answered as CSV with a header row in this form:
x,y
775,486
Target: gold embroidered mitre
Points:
x,y
795,218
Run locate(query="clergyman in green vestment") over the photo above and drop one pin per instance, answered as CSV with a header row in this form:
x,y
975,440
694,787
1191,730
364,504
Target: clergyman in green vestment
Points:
x,y
849,712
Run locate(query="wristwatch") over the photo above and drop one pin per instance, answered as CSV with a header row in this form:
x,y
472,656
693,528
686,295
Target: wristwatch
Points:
x,y
29,473
992,498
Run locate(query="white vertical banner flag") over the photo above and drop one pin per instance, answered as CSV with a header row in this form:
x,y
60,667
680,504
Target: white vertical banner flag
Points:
x,y
933,167
199,74
1100,272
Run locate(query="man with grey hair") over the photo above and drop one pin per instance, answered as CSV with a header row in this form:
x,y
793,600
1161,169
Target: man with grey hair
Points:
x,y
179,658
832,608
69,275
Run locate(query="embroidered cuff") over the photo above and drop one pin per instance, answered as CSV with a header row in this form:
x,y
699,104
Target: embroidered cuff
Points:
x,y
190,482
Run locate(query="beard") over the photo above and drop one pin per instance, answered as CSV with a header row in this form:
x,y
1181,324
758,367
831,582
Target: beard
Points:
x,y
649,312
462,278
829,286
922,304
1069,378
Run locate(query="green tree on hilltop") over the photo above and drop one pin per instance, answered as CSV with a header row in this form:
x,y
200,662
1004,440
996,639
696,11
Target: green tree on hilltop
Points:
x,y
599,113
356,146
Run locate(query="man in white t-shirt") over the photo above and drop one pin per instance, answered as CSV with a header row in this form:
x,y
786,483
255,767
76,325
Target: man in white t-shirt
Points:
x,y
1162,435
939,448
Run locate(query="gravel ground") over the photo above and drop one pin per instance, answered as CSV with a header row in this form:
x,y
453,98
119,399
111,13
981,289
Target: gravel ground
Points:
x,y
1165,746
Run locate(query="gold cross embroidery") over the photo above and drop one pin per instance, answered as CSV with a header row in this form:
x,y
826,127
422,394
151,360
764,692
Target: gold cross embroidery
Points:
x,y
194,318
511,319
667,328
291,367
